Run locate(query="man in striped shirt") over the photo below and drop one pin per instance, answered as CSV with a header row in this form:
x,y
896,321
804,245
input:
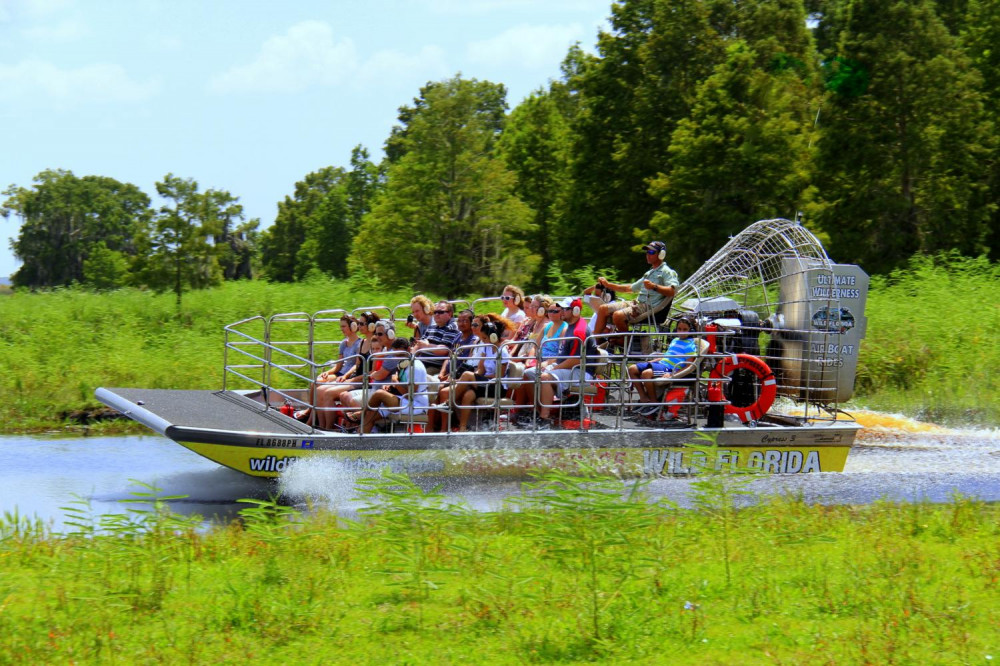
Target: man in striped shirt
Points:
x,y
439,339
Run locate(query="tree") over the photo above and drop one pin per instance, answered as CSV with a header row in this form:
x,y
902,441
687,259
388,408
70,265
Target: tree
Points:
x,y
180,254
448,220
65,218
904,137
742,155
536,147
980,37
312,229
363,182
105,269
221,217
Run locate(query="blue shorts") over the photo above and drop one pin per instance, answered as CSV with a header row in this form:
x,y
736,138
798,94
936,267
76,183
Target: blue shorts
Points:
x,y
659,369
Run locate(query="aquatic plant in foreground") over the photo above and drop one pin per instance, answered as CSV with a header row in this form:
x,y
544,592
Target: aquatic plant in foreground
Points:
x,y
578,569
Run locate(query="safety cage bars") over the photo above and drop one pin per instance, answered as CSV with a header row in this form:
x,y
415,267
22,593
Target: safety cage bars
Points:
x,y
282,370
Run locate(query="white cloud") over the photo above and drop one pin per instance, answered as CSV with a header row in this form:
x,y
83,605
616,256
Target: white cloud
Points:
x,y
528,46
307,55
99,83
386,68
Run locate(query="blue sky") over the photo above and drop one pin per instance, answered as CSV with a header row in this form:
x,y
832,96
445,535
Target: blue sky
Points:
x,y
247,95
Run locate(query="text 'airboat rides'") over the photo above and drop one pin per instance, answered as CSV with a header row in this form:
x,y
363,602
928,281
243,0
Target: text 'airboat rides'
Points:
x,y
770,324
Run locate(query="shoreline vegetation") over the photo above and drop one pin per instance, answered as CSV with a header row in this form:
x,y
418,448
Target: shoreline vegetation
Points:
x,y
572,570
930,351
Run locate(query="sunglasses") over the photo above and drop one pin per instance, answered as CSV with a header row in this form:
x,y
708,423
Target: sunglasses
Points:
x,y
506,298
651,251
379,335
555,310
476,324
440,312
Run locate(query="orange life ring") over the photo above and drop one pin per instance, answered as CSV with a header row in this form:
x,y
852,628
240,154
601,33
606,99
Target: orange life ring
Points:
x,y
768,385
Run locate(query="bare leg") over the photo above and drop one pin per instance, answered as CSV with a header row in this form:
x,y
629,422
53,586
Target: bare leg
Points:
x,y
381,398
633,373
620,320
602,319
650,385
463,386
548,395
468,399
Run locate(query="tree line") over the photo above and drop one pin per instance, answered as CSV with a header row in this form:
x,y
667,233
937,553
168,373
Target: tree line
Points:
x,y
873,121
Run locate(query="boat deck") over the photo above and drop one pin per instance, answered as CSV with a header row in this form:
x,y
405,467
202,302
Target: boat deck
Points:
x,y
211,410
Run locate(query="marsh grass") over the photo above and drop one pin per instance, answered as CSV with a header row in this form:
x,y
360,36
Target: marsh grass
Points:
x,y
57,347
930,350
578,569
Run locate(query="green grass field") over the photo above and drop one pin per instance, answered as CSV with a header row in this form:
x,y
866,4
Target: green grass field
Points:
x,y
580,572
930,351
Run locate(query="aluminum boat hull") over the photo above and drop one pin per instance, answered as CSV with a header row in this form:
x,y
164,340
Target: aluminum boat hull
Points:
x,y
234,430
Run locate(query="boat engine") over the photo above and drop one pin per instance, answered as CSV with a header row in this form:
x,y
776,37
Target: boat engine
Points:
x,y
741,329
816,330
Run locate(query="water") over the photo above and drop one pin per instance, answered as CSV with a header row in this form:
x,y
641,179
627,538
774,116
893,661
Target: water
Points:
x,y
895,458
39,475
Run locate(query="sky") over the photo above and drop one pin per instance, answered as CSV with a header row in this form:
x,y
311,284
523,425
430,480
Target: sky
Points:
x,y
248,96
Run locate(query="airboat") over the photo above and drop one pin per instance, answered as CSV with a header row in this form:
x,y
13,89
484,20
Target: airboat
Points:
x,y
779,328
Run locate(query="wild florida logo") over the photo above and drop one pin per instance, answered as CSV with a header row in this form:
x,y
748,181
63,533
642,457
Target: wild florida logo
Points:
x,y
271,463
833,320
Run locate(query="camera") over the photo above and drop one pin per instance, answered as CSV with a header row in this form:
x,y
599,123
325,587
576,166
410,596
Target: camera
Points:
x,y
409,318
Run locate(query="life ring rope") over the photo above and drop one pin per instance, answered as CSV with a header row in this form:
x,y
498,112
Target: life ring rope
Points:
x,y
768,385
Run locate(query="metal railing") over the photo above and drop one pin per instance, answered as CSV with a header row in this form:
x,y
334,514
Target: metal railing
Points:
x,y
283,367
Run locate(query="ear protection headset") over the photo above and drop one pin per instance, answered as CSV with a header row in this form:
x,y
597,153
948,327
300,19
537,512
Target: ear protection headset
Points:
x,y
354,325
662,254
404,364
541,311
390,330
606,295
489,331
517,299
575,307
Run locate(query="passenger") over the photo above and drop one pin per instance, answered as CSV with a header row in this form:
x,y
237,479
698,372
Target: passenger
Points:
x,y
463,350
560,373
531,332
481,383
395,396
513,301
596,297
347,359
382,367
656,285
419,318
679,355
439,339
463,347
555,328
328,395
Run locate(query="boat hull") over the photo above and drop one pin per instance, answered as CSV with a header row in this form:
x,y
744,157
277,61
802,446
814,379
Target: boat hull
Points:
x,y
518,462
239,433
